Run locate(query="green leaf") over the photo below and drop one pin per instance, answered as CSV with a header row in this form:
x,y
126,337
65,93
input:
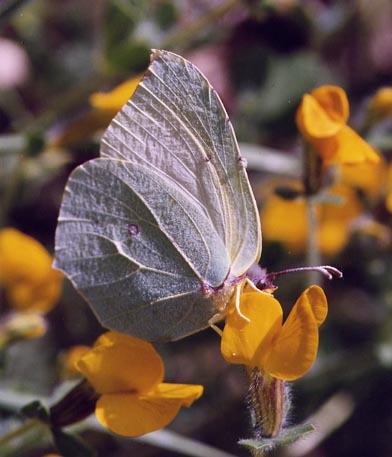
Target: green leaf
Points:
x,y
130,57
165,14
288,436
35,144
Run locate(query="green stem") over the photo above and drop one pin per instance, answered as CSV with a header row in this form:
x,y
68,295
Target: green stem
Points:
x,y
11,190
164,439
190,32
312,170
12,143
22,430
312,181
312,251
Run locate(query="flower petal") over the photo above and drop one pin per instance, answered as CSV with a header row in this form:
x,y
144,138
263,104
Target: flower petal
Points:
x,y
38,297
295,349
114,100
380,105
388,201
120,363
318,302
345,147
335,219
129,415
185,393
351,148
22,258
69,358
333,100
314,122
26,272
369,177
241,339
276,212
332,236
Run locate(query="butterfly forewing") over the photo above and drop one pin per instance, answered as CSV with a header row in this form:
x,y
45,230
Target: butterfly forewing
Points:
x,y
176,122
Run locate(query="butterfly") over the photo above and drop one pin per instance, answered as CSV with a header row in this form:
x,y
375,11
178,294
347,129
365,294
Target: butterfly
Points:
x,y
158,232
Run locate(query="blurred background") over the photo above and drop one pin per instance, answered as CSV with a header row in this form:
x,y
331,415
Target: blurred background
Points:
x,y
261,56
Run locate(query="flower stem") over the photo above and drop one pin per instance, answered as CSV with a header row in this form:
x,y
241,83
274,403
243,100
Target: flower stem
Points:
x,y
23,429
189,33
11,190
268,405
312,180
312,252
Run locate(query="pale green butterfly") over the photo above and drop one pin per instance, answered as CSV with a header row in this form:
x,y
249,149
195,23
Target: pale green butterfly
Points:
x,y
157,233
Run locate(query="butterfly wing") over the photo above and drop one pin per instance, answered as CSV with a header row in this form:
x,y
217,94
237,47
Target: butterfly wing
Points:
x,y
151,232
176,123
112,243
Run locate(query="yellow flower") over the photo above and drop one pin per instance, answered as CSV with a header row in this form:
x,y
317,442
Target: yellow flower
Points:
x,y
370,178
284,351
380,105
388,202
69,358
334,220
26,273
322,120
128,374
275,213
105,106
114,100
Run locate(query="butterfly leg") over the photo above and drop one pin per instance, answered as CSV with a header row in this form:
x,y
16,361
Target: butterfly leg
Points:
x,y
214,320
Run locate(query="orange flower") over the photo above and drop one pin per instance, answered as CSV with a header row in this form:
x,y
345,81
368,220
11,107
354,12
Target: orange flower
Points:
x,y
69,358
105,106
380,105
370,178
127,373
334,220
275,213
114,100
26,273
284,351
322,120
389,195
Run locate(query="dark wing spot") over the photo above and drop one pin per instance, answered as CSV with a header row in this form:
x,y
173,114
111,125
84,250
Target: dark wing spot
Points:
x,y
133,229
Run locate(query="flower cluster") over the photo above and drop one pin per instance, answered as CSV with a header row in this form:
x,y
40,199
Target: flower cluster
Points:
x,y
26,273
129,395
322,120
32,287
354,179
104,106
123,376
282,350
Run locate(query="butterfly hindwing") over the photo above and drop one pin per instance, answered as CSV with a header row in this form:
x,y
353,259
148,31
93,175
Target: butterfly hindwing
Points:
x,y
113,244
